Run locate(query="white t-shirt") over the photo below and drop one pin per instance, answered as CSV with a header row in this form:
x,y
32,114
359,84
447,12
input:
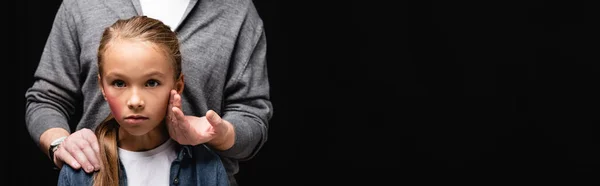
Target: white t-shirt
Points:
x,y
150,167
169,12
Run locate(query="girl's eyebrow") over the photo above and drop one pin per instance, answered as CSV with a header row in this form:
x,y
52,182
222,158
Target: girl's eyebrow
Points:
x,y
114,74
155,73
149,74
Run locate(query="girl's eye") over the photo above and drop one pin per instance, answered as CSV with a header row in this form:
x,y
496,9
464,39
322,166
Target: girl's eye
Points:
x,y
152,83
118,83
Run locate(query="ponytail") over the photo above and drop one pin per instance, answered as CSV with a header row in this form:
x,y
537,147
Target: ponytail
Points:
x,y
107,133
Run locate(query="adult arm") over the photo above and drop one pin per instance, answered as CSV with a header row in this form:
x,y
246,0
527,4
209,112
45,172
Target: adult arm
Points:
x,y
247,104
52,98
242,129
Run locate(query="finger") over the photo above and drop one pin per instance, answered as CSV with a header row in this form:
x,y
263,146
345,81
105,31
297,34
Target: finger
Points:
x,y
169,111
92,149
172,125
187,131
63,156
80,159
173,118
172,97
179,118
182,128
177,100
91,138
92,157
213,118
80,156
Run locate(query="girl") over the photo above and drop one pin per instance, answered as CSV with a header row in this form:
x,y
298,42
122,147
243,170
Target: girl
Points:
x,y
139,68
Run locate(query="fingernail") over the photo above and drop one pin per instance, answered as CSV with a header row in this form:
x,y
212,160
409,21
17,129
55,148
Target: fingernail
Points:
x,y
91,168
76,164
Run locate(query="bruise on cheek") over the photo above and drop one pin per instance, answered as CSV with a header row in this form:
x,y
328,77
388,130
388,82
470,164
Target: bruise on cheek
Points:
x,y
114,105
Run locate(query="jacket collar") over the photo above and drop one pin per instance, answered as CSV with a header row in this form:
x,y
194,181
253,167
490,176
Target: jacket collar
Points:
x,y
184,152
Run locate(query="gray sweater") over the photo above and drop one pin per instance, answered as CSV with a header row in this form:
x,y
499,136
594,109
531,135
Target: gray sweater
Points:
x,y
223,46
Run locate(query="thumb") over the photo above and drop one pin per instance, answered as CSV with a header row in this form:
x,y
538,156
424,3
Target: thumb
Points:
x,y
213,118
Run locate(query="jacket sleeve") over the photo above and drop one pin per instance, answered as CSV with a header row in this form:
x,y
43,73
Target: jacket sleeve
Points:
x,y
64,178
52,98
222,176
69,176
247,102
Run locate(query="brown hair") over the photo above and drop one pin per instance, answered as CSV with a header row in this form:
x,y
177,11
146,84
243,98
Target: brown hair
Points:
x,y
142,28
137,28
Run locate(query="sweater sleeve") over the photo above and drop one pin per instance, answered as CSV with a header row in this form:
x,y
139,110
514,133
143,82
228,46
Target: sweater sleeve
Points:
x,y
52,98
247,103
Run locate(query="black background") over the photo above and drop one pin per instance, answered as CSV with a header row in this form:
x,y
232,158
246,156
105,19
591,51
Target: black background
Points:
x,y
475,93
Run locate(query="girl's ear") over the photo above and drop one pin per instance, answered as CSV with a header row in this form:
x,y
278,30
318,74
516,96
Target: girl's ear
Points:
x,y
179,84
101,87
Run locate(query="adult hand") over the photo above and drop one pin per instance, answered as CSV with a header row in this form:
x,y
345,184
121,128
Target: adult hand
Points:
x,y
192,130
79,149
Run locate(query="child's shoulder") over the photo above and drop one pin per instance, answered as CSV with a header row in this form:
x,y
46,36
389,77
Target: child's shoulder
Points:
x,y
70,176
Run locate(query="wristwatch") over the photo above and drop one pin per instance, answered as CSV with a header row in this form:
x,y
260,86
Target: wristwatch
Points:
x,y
54,147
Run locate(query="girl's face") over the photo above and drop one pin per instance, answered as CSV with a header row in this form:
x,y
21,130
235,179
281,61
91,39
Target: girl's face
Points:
x,y
136,81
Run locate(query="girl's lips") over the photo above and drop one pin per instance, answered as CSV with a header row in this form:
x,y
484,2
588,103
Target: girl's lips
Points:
x,y
136,117
135,120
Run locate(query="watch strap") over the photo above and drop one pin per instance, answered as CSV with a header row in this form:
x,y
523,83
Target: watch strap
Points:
x,y
54,146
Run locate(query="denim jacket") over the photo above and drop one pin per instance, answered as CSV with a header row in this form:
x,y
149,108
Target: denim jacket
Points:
x,y
194,165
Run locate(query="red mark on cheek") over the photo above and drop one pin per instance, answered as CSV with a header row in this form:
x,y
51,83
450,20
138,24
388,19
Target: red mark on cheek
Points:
x,y
114,104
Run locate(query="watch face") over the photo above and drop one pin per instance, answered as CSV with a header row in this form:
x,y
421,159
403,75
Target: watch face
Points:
x,y
57,141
